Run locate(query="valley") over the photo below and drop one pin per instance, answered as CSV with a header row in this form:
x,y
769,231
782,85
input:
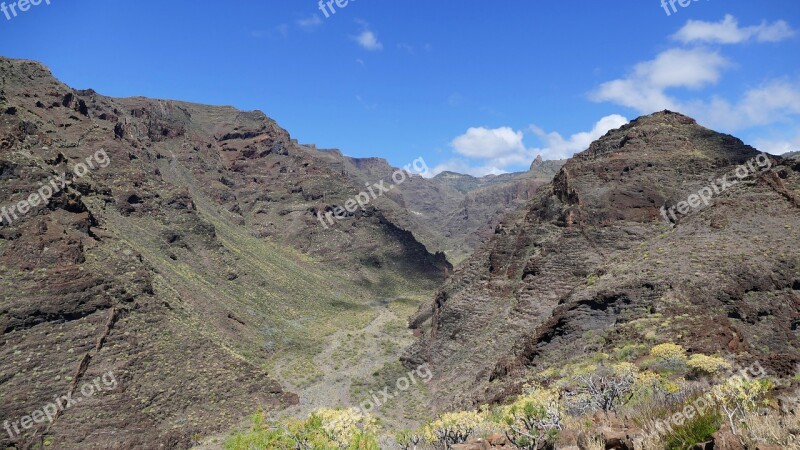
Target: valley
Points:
x,y
193,266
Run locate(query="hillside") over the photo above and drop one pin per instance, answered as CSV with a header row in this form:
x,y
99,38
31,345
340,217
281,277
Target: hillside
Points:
x,y
209,265
591,266
449,213
185,256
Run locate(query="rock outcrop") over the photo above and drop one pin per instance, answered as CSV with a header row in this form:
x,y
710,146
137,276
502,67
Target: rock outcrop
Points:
x,y
186,261
593,264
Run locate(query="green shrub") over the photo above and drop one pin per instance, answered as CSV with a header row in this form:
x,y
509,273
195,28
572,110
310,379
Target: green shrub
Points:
x,y
326,429
533,419
453,428
696,430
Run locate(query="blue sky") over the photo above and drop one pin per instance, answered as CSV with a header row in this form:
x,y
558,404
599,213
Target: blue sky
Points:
x,y
476,86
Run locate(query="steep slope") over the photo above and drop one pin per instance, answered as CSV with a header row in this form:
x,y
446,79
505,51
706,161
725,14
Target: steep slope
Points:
x,y
450,213
592,267
184,256
471,220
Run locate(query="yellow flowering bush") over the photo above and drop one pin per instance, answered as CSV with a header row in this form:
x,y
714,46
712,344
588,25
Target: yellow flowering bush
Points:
x,y
407,439
346,425
708,364
625,368
605,389
739,396
453,428
326,429
533,419
668,358
668,352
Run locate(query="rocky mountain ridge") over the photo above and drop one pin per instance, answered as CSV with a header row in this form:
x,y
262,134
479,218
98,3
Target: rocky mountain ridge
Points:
x,y
192,265
591,266
450,213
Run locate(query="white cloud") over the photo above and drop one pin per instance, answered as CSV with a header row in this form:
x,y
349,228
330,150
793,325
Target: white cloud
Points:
x,y
775,101
282,29
728,31
498,150
643,89
489,143
777,147
455,99
556,147
309,23
369,41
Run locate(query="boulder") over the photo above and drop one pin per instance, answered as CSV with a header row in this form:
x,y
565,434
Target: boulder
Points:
x,y
497,440
479,444
724,439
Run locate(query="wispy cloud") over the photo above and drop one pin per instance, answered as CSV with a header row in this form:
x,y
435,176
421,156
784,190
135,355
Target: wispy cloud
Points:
x,y
280,30
728,31
644,88
368,40
455,99
649,86
777,147
309,23
408,48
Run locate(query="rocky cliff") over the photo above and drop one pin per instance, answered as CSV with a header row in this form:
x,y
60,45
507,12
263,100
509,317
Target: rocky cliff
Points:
x,y
619,251
178,249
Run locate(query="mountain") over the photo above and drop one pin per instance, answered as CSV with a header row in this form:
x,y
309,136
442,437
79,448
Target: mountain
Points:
x,y
178,249
478,204
170,268
450,213
615,256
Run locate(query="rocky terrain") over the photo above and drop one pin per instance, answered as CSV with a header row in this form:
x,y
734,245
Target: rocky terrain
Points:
x,y
183,253
464,210
192,265
450,213
591,266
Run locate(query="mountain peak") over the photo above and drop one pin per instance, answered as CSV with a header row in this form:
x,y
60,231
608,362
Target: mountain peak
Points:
x,y
537,162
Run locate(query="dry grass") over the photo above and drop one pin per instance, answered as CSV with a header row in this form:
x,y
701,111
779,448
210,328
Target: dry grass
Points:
x,y
773,428
652,441
595,443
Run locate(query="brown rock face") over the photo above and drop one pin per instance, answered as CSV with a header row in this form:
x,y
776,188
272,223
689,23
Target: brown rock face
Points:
x,y
726,440
450,213
181,265
592,264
